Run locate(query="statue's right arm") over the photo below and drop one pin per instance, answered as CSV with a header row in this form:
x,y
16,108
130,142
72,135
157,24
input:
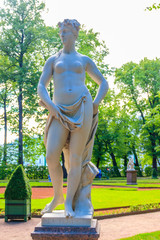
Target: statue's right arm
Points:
x,y
42,87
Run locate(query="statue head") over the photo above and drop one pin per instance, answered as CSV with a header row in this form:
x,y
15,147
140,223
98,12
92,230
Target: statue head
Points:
x,y
71,24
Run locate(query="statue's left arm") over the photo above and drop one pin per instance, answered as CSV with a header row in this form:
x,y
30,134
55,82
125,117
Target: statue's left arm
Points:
x,y
96,75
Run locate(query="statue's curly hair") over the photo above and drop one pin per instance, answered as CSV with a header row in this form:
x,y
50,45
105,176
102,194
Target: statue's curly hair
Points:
x,y
72,23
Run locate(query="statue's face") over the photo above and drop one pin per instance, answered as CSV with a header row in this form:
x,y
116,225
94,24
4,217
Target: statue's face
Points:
x,y
67,35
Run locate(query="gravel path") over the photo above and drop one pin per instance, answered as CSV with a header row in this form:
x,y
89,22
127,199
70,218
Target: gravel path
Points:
x,y
111,229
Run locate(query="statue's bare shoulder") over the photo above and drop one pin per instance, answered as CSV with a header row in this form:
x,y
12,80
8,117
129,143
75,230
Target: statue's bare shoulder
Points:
x,y
87,61
50,62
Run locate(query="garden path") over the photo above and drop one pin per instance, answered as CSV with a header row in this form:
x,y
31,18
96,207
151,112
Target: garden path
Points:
x,y
111,229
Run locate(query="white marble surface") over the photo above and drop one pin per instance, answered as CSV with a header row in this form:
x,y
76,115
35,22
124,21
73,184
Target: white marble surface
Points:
x,y
57,218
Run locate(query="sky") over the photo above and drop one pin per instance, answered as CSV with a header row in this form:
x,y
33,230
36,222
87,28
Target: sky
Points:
x,y
130,32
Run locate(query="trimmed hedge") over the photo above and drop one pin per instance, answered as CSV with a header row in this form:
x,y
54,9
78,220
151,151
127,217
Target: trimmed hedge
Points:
x,y
32,172
35,172
148,171
154,173
18,187
6,171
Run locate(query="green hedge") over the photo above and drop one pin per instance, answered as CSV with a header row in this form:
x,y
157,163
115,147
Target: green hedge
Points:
x,y
6,171
35,172
148,171
32,172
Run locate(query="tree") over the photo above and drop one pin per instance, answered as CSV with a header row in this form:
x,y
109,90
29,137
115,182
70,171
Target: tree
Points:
x,y
5,98
154,6
20,23
139,83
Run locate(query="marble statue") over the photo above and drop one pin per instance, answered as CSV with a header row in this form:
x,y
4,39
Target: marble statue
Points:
x,y
71,123
130,165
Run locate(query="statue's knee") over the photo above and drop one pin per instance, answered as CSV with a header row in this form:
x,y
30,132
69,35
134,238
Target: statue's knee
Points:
x,y
49,156
52,158
75,160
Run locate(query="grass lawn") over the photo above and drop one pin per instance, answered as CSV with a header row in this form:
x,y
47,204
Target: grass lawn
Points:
x,y
144,236
108,198
142,182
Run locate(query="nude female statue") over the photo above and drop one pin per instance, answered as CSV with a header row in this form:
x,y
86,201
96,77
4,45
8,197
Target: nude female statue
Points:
x,y
68,69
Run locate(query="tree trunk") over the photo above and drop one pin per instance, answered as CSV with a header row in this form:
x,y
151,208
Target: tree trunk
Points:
x,y
125,161
5,131
125,164
152,138
139,172
20,145
116,170
113,159
136,158
63,167
98,162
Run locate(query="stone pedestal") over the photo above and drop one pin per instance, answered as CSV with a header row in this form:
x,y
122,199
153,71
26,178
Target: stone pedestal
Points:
x,y
131,177
55,226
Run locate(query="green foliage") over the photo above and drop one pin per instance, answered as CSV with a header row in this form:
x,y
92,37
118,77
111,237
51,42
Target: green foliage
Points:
x,y
35,172
154,173
21,26
6,171
139,171
18,187
33,147
139,85
148,171
158,171
154,6
144,207
114,172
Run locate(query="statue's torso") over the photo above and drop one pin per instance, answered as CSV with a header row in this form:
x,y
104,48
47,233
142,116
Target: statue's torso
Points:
x,y
69,78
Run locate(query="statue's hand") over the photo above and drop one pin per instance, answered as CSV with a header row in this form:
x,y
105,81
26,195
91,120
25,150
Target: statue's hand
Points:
x,y
95,108
54,111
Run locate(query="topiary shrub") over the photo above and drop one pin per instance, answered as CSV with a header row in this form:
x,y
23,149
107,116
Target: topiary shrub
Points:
x,y
18,187
148,171
154,173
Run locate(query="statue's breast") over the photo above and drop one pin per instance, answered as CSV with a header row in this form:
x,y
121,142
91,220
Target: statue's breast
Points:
x,y
60,67
76,67
69,66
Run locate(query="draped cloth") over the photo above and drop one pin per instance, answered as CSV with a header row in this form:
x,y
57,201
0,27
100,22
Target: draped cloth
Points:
x,y
71,117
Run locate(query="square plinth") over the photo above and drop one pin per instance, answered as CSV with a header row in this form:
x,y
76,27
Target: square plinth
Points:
x,y
57,218
66,233
55,226
131,177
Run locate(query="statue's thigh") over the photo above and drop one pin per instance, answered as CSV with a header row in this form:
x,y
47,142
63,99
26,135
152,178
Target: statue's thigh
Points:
x,y
79,138
56,139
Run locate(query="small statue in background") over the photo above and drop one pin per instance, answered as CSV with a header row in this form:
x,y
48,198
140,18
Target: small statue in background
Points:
x,y
130,165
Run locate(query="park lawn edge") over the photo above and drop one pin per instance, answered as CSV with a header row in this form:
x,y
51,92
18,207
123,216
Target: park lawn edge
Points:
x,y
144,236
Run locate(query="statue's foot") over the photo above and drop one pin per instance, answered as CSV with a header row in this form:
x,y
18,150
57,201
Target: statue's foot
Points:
x,y
69,213
52,205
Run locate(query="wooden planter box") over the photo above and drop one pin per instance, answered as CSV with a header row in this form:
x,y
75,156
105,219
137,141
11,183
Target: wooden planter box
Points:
x,y
17,209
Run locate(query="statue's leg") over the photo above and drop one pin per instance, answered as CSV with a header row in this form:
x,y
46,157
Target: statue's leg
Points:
x,y
78,141
56,139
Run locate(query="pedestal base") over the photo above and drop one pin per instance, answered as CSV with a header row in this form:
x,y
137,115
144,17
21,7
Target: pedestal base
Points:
x,y
61,228
131,177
